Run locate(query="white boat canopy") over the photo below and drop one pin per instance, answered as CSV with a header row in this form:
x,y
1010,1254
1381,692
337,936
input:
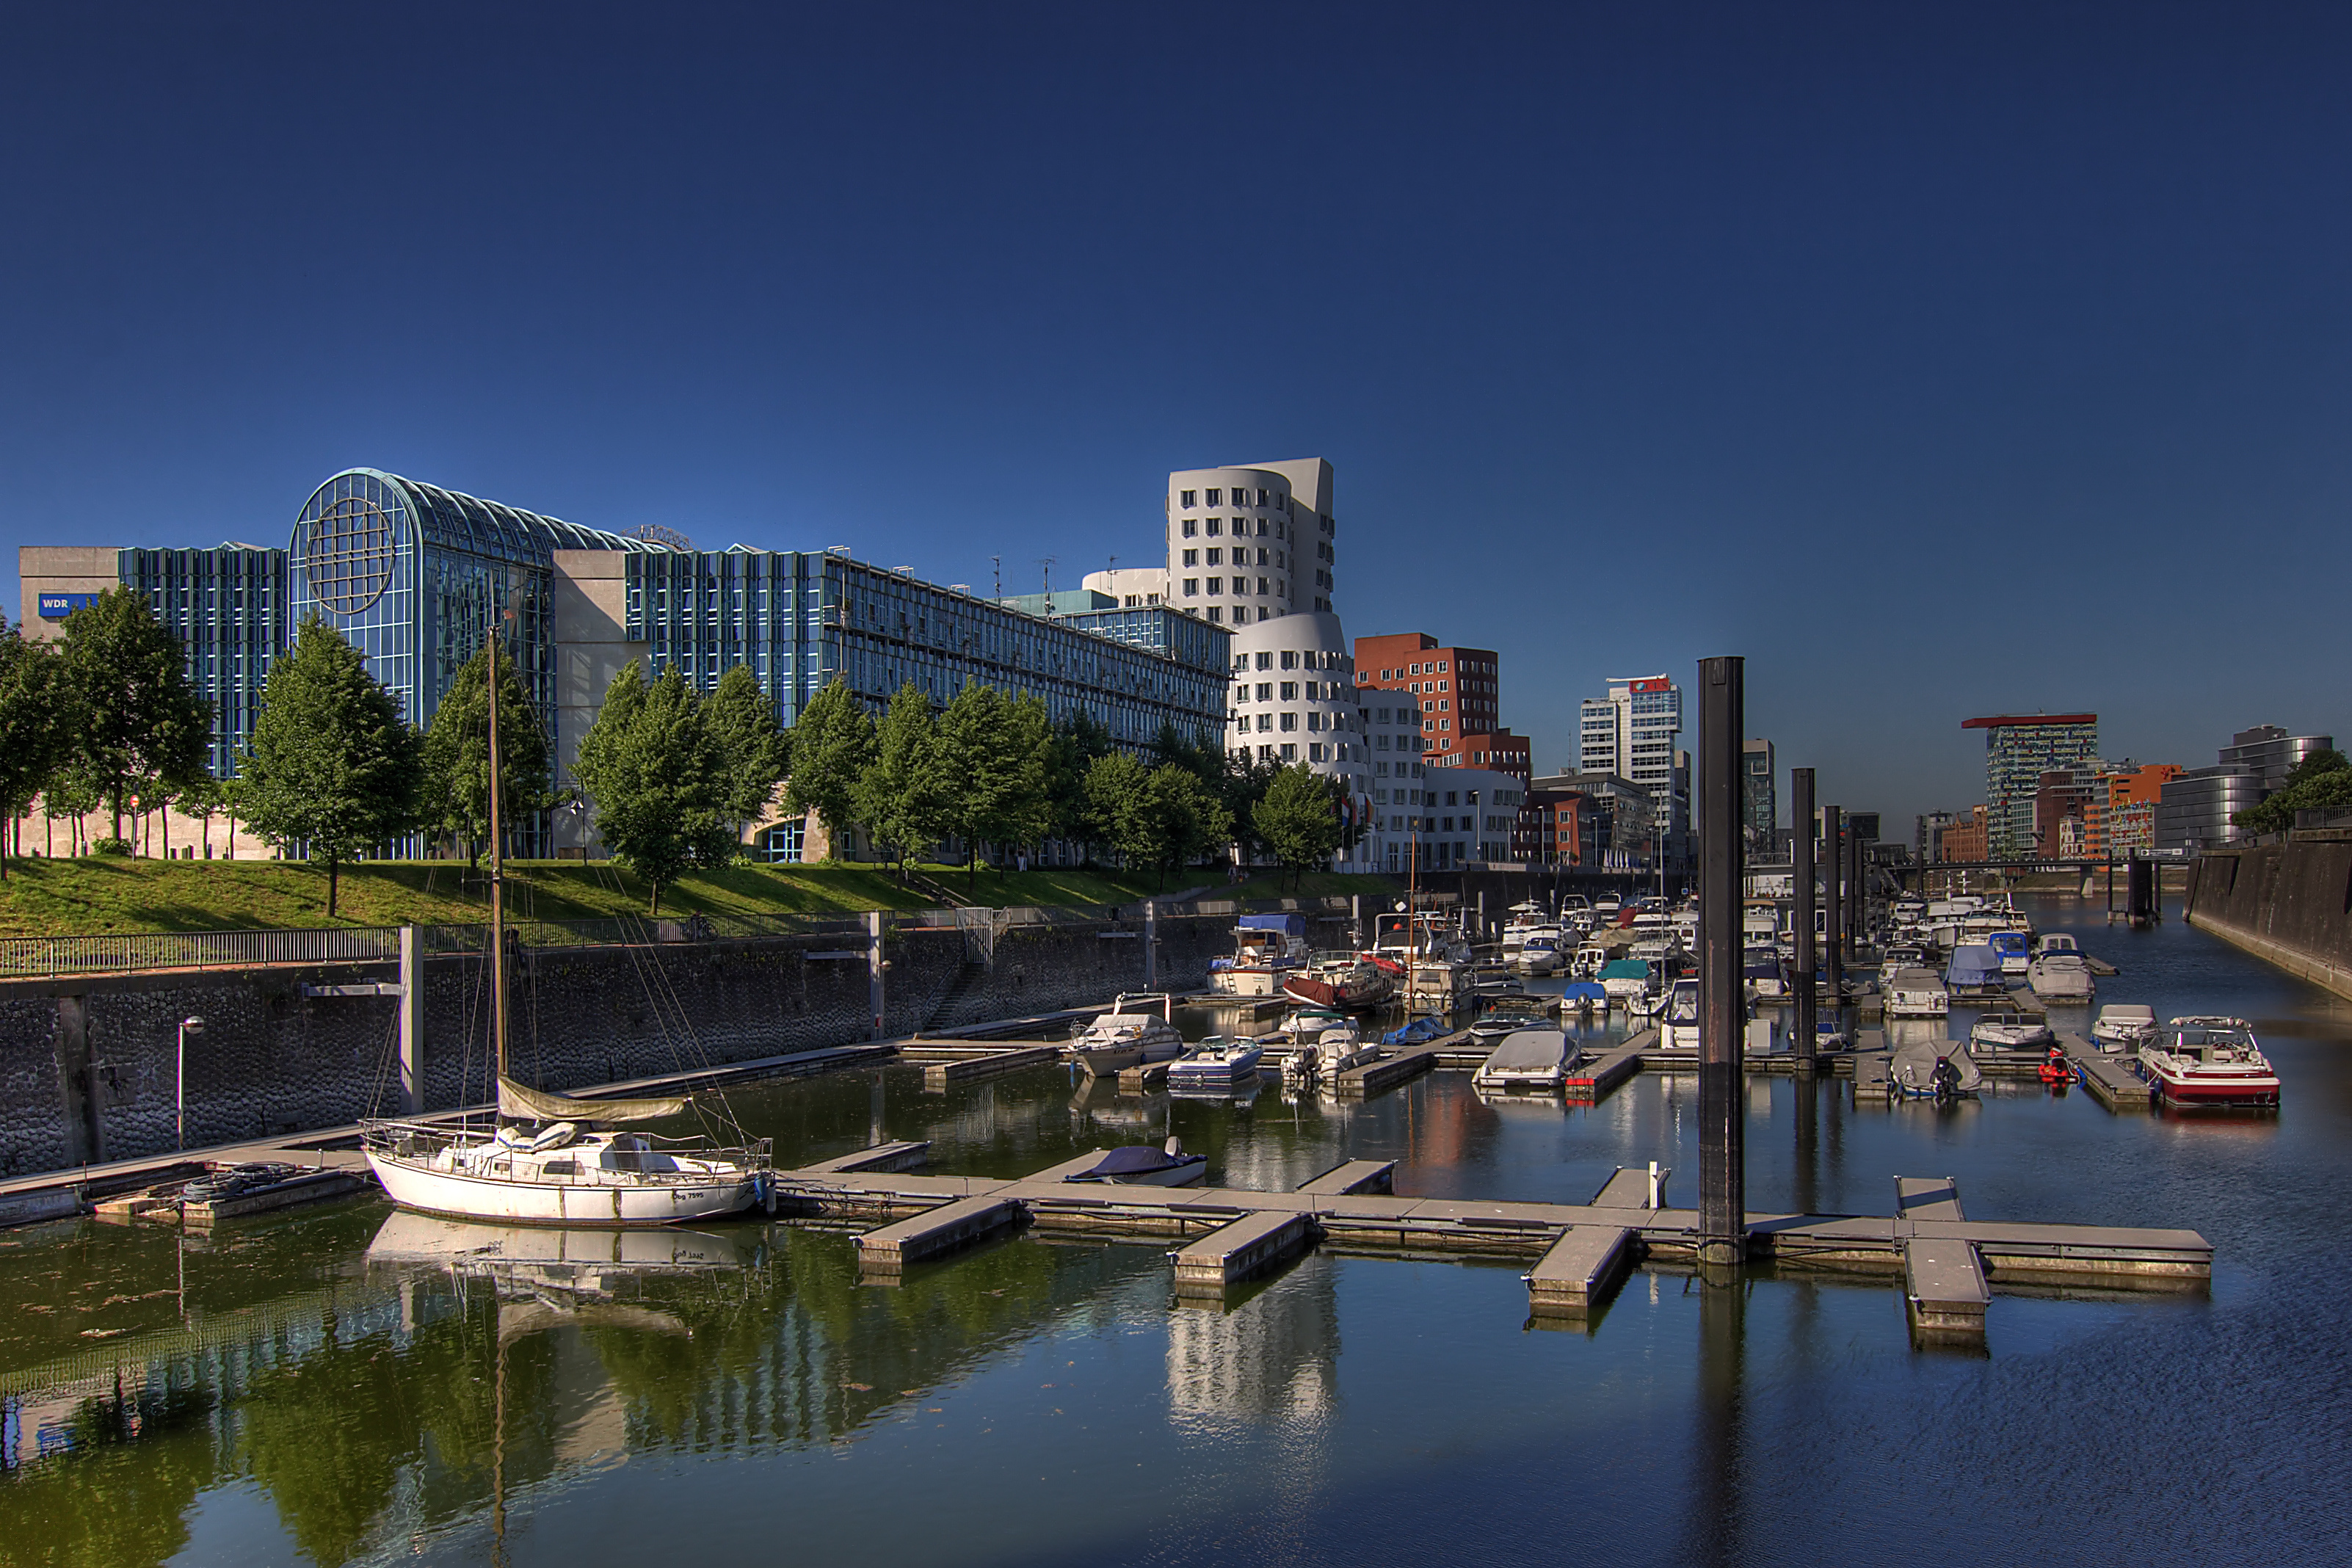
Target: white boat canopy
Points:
x,y
536,1105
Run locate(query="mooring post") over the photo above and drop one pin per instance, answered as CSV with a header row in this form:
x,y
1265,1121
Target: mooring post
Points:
x,y
874,969
412,1020
1151,944
1834,910
1722,1077
1857,901
1801,855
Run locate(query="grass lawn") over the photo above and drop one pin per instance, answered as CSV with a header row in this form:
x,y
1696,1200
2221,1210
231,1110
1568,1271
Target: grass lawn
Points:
x,y
103,894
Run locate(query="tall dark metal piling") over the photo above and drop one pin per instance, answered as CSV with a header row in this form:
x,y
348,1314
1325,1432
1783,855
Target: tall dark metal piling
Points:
x,y
1833,886
1722,1075
1800,853
1857,900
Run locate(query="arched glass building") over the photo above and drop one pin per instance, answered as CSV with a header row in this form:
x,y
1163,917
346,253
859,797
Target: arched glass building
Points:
x,y
411,574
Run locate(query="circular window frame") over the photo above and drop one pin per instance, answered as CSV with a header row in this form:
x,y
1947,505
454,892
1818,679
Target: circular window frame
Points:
x,y
347,552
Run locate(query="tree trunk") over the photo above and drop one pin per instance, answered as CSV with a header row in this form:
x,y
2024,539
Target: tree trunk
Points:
x,y
163,821
653,906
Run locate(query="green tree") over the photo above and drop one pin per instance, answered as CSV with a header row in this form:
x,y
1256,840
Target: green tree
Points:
x,y
2321,781
657,778
1076,743
906,795
1242,785
832,746
989,755
1159,818
458,754
742,720
333,765
1299,819
138,726
31,731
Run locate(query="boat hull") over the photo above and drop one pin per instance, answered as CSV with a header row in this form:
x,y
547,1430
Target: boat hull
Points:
x,y
1347,998
2243,1091
591,1203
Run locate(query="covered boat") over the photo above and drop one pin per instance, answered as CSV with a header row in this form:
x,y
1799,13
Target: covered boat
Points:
x,y
1528,1059
1975,971
1506,1016
2123,1026
2011,1030
1142,1166
1420,1031
2209,1061
1622,978
2061,976
1584,996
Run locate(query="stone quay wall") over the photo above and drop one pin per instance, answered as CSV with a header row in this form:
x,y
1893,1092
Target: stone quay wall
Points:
x,y
87,1068
2289,903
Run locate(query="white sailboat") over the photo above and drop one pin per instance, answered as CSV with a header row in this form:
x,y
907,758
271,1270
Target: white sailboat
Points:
x,y
552,1158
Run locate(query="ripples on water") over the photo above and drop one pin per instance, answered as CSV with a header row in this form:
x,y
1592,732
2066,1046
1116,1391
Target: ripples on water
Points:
x,y
276,1394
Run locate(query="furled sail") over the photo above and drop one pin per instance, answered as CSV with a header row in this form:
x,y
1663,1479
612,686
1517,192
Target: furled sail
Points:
x,y
535,1105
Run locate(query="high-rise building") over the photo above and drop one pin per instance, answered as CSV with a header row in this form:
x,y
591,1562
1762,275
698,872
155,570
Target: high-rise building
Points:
x,y
1460,689
1632,732
2019,749
1246,545
1760,800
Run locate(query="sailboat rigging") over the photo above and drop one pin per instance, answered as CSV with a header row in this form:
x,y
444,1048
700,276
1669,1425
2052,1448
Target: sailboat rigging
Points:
x,y
553,1158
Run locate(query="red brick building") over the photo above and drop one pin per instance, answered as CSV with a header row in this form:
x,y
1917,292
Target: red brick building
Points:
x,y
1460,689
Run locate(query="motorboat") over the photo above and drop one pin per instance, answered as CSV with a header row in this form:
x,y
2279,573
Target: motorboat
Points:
x,y
1506,1016
1539,954
1334,1050
553,1158
1590,957
1917,994
1650,1003
1902,956
1218,1062
1143,1165
2056,941
2124,1026
1622,979
1605,910
2209,1061
1576,913
1418,1032
1306,1025
1583,998
1935,1069
1268,950
1766,972
1975,973
1678,1027
1346,981
2061,976
1528,1059
1129,1035
2009,1029
1442,982
2013,948
1526,920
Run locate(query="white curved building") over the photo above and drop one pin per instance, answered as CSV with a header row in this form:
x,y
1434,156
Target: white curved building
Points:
x,y
1294,699
1251,543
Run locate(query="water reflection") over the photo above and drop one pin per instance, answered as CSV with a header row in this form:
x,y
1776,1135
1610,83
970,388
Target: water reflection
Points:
x,y
341,1370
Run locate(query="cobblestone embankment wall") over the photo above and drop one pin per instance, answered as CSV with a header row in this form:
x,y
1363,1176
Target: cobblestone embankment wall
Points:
x,y
89,1076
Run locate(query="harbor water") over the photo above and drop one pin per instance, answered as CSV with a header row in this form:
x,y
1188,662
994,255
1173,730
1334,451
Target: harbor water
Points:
x,y
341,1384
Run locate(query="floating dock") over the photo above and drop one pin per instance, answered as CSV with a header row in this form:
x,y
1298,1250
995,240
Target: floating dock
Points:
x,y
948,1228
1580,1271
1237,1251
970,1067
2110,1081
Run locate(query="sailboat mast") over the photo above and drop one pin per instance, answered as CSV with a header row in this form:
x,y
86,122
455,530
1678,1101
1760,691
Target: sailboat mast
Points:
x,y
497,875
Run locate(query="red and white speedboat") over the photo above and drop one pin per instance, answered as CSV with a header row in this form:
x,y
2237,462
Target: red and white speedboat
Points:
x,y
2209,1061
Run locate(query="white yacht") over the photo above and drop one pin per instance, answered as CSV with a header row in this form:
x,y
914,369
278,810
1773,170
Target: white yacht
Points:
x,y
1917,994
1131,1035
551,1159
2123,1026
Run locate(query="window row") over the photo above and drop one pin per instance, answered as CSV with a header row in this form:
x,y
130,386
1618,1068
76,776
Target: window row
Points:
x,y
1188,500
1241,558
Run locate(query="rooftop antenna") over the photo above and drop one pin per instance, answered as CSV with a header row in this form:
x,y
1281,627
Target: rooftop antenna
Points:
x,y
996,575
1047,562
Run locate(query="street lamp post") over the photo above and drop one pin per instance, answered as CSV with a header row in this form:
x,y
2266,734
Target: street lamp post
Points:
x,y
180,1083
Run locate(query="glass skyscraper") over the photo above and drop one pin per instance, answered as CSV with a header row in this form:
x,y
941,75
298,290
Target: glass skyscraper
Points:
x,y
2019,749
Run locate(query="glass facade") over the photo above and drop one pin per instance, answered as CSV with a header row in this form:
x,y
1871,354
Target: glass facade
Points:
x,y
227,606
799,618
2018,751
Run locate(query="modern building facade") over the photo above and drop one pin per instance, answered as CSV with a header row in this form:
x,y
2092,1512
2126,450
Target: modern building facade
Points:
x,y
1760,798
1633,732
2120,816
2195,807
2270,754
1250,544
1616,823
1460,689
2019,749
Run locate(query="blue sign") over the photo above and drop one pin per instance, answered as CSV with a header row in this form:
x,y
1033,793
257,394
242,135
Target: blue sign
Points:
x,y
58,606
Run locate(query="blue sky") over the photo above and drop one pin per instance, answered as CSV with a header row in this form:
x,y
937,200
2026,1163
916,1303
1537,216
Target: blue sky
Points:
x,y
1940,360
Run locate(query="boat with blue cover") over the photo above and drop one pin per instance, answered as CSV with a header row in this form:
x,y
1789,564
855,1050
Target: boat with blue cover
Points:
x,y
1142,1166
